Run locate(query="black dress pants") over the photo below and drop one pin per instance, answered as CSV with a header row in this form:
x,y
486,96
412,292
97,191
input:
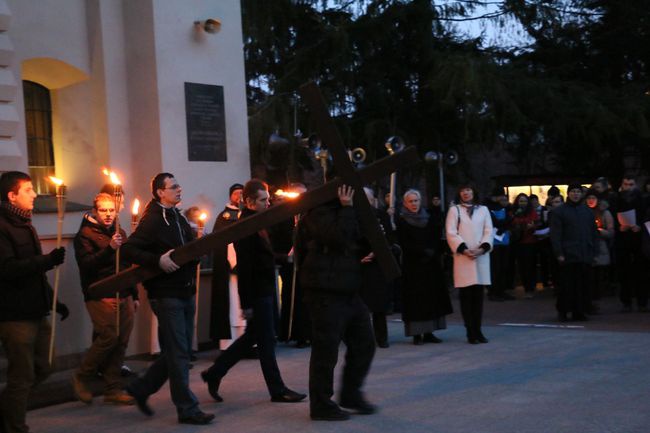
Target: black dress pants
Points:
x,y
573,296
471,307
337,318
260,330
500,270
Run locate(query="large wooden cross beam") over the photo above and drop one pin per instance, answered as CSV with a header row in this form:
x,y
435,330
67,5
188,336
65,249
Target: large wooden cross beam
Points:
x,y
309,200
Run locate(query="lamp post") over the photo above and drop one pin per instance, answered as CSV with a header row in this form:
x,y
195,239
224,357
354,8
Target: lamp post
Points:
x,y
61,190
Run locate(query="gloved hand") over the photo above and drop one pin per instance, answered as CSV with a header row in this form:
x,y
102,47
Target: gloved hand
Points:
x,y
167,264
63,310
57,255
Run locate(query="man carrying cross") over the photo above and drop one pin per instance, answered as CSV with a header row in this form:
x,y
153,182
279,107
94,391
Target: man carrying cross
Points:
x,y
330,262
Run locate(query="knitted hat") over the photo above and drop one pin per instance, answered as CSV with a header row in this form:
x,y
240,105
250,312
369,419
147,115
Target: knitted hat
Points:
x,y
574,186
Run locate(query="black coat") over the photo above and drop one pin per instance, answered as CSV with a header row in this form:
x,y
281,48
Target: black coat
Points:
x,y
160,230
574,233
96,258
376,291
25,293
328,250
220,302
255,266
424,294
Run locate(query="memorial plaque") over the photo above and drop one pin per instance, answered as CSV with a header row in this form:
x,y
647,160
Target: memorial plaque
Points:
x,y
206,122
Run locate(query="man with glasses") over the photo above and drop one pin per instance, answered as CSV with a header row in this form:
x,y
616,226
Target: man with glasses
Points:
x,y
172,298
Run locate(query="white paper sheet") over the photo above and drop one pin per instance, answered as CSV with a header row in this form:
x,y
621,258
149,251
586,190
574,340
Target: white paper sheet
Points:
x,y
627,218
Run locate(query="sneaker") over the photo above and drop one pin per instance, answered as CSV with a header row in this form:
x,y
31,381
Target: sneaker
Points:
x,y
125,371
80,389
119,398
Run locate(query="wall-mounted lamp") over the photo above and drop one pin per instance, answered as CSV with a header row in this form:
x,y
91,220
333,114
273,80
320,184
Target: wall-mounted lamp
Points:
x,y
211,25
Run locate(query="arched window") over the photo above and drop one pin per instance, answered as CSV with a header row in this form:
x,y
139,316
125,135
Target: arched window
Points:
x,y
38,122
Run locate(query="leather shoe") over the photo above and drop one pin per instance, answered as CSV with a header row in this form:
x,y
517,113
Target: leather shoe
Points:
x,y
481,338
141,402
119,398
430,338
288,396
417,340
331,415
81,390
472,340
200,418
213,386
360,407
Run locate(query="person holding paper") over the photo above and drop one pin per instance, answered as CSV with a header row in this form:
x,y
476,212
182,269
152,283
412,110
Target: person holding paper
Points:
x,y
573,238
629,214
602,260
524,222
500,257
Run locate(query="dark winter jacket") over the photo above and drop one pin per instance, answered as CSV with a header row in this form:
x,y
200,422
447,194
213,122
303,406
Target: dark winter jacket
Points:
x,y
96,258
574,233
328,250
25,293
160,230
255,266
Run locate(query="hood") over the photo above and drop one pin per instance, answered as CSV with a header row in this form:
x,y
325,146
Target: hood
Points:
x,y
90,221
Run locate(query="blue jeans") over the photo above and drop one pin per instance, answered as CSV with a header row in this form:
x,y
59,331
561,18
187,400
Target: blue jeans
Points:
x,y
175,322
261,330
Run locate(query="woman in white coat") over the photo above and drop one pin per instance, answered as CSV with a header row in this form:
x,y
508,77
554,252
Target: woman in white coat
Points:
x,y
469,235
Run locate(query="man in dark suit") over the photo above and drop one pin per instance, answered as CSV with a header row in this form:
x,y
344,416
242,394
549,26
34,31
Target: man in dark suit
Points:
x,y
256,284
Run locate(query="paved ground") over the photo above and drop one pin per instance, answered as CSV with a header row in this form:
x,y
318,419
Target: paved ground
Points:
x,y
527,379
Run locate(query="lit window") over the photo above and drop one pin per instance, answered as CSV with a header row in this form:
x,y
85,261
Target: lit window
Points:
x,y
38,123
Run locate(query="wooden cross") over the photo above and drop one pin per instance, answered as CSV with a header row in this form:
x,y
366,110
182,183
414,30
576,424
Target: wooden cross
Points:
x,y
348,175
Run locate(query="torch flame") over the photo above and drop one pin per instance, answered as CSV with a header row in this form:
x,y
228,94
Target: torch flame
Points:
x,y
114,179
56,181
287,194
203,216
135,209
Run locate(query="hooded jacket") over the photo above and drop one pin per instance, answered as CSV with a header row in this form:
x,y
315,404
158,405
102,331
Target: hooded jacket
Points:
x,y
96,258
162,229
25,293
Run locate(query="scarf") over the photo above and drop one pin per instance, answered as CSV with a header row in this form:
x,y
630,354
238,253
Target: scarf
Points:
x,y
470,208
419,219
23,214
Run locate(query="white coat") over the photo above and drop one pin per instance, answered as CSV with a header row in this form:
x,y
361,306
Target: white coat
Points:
x,y
473,232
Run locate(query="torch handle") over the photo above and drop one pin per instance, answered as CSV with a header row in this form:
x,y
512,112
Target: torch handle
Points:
x,y
393,187
199,234
57,272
